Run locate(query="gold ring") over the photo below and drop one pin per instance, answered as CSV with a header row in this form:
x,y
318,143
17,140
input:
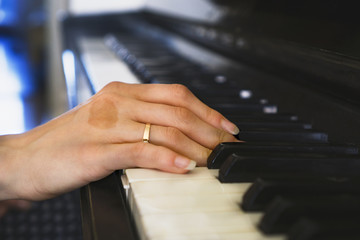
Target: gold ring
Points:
x,y
146,137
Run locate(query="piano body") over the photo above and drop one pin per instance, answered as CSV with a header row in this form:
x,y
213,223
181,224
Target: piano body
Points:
x,y
288,74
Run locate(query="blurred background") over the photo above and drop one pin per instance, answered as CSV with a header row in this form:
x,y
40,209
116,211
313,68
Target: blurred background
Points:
x,y
30,75
30,67
32,91
22,65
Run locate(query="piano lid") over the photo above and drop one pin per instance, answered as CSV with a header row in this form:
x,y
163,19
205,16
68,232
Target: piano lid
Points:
x,y
313,43
330,25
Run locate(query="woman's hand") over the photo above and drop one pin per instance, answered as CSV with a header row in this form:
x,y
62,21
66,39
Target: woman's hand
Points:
x,y
105,134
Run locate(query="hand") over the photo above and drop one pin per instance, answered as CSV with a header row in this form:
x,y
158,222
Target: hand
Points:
x,y
104,134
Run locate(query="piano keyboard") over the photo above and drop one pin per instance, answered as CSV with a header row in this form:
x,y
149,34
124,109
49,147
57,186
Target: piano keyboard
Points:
x,y
190,206
102,65
232,197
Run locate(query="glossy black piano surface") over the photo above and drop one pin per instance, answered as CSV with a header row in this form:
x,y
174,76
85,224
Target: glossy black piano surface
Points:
x,y
287,73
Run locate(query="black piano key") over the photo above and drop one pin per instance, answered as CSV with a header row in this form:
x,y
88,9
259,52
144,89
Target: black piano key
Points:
x,y
227,99
296,136
242,168
164,80
272,125
236,97
282,213
160,72
170,68
206,79
171,79
217,92
263,191
149,59
237,117
224,150
229,108
330,229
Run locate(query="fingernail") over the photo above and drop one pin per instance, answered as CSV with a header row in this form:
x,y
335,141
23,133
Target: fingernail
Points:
x,y
230,127
185,163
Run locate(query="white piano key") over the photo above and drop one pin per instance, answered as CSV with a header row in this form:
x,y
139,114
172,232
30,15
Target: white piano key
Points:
x,y
223,236
125,184
102,65
189,206
186,186
161,225
180,188
214,172
184,203
234,187
139,174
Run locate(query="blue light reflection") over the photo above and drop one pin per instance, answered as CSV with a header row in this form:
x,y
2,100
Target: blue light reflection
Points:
x,y
8,10
11,90
69,72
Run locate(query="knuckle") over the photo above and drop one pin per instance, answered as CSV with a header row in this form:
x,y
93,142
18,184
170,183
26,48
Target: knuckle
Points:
x,y
222,136
158,155
144,155
172,134
107,97
103,94
183,115
213,115
111,86
204,154
139,152
180,92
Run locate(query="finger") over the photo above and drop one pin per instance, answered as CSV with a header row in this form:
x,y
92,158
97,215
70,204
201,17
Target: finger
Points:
x,y
180,118
169,137
176,95
175,140
144,155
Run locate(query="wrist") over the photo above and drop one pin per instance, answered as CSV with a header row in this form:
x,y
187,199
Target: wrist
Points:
x,y
7,156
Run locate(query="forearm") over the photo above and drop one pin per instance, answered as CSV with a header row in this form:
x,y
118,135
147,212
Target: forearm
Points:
x,y
7,155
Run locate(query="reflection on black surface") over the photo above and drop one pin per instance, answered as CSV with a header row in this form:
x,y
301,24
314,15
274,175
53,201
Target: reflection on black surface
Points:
x,y
327,24
311,44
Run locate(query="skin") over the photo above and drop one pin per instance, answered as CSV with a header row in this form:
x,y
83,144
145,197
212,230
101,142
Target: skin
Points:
x,y
104,134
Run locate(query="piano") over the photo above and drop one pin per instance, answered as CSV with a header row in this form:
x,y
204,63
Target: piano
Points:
x,y
287,73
